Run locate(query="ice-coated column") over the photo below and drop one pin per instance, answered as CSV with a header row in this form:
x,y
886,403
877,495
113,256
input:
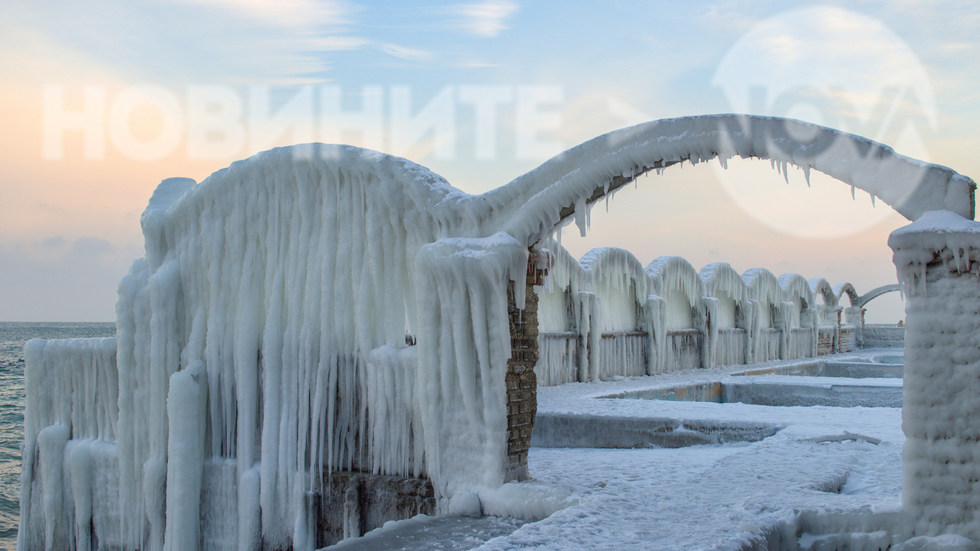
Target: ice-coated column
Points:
x,y
937,261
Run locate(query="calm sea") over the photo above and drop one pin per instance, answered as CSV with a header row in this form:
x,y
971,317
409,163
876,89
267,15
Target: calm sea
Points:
x,y
13,335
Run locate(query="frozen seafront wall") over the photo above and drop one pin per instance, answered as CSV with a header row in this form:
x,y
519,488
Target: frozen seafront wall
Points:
x,y
267,338
938,261
687,319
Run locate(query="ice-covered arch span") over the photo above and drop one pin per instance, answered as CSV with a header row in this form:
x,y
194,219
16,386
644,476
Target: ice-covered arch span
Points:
x,y
264,341
563,187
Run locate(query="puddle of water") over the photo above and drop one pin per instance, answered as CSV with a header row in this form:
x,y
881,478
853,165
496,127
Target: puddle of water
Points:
x,y
852,369
585,431
819,383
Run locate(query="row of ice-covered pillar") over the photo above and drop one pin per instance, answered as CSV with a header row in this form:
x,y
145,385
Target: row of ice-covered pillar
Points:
x,y
605,316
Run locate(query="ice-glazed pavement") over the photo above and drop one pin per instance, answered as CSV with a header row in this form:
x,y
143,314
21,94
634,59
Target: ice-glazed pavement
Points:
x,y
825,470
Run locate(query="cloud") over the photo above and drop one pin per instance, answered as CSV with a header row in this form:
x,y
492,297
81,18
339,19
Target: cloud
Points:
x,y
60,280
225,41
485,19
91,247
403,52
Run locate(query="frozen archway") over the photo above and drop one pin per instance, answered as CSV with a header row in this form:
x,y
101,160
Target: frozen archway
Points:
x,y
799,327
563,187
727,305
765,297
619,338
864,299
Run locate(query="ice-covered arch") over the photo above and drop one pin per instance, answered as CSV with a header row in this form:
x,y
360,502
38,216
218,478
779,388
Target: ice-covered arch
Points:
x,y
850,332
827,315
563,187
565,308
799,327
765,298
821,288
864,299
845,288
726,301
619,341
674,279
677,282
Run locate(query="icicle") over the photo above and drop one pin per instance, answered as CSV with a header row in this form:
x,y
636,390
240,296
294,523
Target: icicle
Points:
x,y
580,217
806,174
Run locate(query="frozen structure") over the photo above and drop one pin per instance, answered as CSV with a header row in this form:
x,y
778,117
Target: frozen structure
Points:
x,y
730,315
938,261
317,327
619,338
606,317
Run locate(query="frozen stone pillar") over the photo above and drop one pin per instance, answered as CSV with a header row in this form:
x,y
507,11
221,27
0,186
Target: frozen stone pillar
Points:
x,y
854,315
937,261
464,348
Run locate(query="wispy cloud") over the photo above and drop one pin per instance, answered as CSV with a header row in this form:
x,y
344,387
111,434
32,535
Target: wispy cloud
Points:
x,y
404,52
485,19
227,41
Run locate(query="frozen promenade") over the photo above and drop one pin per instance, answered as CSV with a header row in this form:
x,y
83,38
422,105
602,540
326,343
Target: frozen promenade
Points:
x,y
825,473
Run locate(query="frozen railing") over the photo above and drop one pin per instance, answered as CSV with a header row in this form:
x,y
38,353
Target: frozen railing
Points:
x,y
70,423
594,325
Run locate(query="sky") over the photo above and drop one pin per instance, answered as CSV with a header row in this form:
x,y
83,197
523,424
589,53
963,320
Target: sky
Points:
x,y
102,100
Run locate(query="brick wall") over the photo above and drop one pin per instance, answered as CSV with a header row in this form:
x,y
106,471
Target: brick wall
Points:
x,y
352,504
522,399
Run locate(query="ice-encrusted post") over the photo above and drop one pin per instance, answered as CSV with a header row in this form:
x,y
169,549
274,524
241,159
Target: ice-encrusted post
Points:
x,y
465,344
938,262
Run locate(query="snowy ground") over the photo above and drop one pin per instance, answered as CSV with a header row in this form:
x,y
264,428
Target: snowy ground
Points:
x,y
826,470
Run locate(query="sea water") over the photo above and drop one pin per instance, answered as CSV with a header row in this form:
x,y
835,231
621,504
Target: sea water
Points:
x,y
13,336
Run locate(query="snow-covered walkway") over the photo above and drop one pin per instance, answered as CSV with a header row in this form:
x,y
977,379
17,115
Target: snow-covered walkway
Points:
x,y
822,461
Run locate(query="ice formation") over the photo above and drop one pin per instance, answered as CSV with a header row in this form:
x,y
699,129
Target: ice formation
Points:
x,y
708,318
845,288
728,327
275,300
268,335
619,335
583,174
826,306
937,259
674,279
799,329
566,305
765,326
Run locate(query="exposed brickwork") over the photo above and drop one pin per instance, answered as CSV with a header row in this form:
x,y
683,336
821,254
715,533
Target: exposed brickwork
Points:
x,y
825,341
522,399
353,503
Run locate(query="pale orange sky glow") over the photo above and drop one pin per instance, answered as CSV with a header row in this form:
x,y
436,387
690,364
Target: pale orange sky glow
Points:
x,y
478,102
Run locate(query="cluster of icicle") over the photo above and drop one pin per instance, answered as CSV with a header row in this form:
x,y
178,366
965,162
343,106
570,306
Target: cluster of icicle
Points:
x,y
71,412
262,343
909,186
938,236
619,318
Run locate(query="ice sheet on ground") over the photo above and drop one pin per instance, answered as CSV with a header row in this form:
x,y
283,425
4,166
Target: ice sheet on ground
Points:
x,y
434,533
709,497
